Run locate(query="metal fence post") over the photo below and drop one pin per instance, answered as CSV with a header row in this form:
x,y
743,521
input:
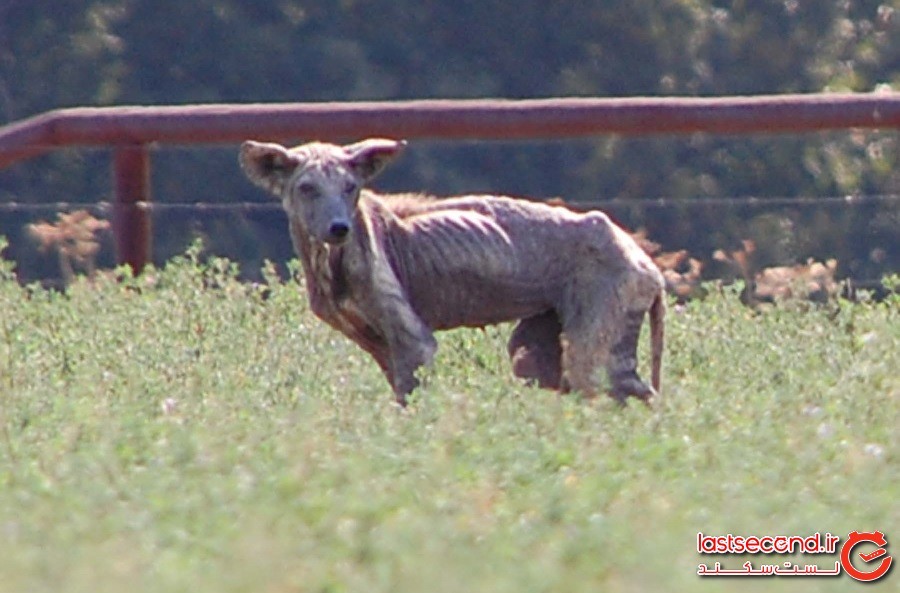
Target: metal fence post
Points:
x,y
131,220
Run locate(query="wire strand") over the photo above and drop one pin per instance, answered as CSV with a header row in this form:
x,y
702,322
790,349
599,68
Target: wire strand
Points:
x,y
104,206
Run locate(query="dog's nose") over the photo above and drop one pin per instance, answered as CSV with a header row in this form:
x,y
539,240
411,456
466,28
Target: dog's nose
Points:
x,y
339,230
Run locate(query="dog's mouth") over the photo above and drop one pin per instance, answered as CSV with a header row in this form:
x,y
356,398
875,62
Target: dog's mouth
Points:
x,y
336,241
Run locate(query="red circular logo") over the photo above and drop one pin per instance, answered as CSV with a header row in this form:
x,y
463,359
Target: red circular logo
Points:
x,y
876,538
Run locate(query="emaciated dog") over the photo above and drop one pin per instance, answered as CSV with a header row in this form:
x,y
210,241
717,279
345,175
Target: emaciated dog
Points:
x,y
389,270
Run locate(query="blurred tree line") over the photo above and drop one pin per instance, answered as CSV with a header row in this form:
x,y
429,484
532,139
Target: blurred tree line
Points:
x,y
59,53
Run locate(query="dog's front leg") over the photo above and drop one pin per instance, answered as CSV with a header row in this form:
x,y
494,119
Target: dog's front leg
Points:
x,y
408,354
410,342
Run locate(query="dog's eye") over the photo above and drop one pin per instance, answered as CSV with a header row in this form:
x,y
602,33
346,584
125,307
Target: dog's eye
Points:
x,y
308,190
349,188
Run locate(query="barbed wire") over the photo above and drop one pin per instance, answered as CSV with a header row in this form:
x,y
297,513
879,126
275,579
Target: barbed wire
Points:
x,y
108,207
105,206
743,201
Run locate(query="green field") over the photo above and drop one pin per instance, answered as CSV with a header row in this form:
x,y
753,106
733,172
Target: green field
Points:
x,y
183,431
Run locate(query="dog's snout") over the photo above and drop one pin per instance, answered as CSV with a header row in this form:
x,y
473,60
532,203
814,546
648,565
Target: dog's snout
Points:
x,y
339,230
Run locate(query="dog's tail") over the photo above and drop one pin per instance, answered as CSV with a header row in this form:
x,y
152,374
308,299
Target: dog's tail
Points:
x,y
657,340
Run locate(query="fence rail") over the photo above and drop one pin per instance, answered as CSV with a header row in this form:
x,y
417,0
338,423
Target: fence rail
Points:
x,y
128,130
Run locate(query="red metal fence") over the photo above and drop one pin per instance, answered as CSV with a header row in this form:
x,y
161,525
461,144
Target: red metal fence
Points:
x,y
128,130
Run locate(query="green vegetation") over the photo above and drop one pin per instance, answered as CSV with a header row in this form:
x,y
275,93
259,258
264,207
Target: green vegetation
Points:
x,y
183,431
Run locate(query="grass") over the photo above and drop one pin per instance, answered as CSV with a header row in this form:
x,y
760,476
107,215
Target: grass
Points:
x,y
183,431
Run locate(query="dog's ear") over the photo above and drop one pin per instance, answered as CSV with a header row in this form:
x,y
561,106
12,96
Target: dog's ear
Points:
x,y
369,157
268,165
